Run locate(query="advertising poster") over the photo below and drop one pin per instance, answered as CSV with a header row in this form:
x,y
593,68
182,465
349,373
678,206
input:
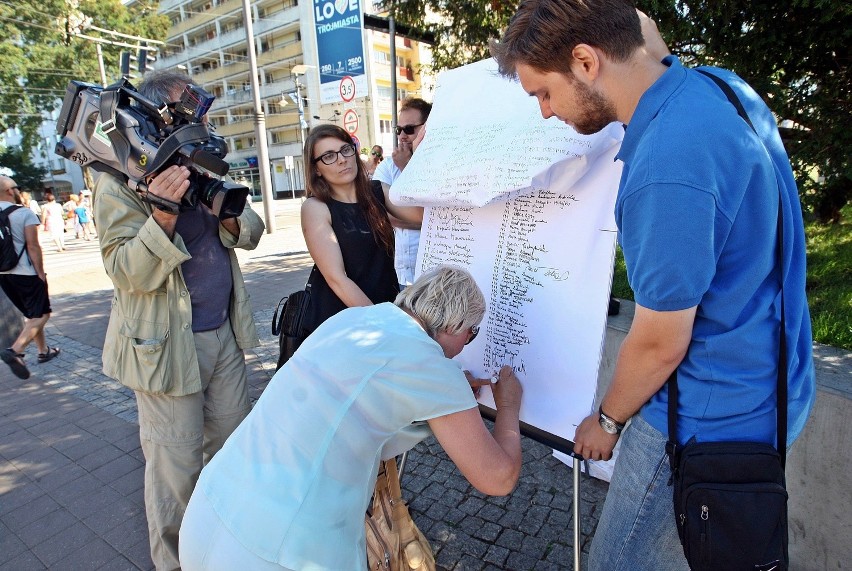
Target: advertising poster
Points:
x,y
340,50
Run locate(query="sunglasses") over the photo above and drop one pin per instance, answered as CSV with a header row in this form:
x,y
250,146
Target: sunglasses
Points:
x,y
474,331
375,154
330,157
407,129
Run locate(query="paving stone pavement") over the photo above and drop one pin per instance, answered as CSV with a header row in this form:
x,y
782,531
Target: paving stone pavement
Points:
x,y
71,468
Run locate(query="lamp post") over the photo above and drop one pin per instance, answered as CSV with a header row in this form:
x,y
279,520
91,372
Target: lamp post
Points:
x,y
298,70
260,125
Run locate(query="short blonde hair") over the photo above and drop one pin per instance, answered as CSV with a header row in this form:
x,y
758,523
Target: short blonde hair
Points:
x,y
445,298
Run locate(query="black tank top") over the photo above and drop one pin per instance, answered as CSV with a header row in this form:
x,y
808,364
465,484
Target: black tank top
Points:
x,y
366,263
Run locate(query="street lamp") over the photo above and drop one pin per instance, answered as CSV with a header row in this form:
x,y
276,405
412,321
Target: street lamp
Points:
x,y
334,118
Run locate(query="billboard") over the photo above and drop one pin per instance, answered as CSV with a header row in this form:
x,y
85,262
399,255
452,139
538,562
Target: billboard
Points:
x,y
340,50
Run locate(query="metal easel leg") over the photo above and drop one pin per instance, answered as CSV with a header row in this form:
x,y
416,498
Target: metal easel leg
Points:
x,y
576,514
402,463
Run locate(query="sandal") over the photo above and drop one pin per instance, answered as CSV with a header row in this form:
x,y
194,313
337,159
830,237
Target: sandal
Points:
x,y
51,353
16,363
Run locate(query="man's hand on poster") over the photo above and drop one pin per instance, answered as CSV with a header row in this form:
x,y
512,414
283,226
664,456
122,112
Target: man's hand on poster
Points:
x,y
592,442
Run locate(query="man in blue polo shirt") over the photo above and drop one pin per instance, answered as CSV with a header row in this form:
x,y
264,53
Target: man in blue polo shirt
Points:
x,y
697,214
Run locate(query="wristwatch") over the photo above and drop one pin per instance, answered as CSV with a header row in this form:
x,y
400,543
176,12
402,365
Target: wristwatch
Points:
x,y
609,424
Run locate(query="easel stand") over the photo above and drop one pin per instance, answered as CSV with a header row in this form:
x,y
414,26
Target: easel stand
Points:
x,y
551,440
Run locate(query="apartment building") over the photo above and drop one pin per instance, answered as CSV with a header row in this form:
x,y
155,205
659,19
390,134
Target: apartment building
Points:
x,y
207,39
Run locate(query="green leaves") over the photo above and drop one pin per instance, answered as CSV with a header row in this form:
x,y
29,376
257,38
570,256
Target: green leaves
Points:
x,y
40,54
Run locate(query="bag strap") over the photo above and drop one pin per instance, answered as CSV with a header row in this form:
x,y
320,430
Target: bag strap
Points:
x,y
402,522
8,212
282,303
781,386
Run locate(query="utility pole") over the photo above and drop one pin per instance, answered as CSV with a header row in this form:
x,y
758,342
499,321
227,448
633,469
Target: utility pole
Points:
x,y
259,125
101,64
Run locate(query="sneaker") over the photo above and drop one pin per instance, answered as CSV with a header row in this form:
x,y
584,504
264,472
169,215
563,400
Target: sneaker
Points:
x,y
15,362
51,353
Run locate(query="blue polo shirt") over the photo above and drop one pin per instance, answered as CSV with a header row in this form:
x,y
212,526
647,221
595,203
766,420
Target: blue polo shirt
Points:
x,y
697,218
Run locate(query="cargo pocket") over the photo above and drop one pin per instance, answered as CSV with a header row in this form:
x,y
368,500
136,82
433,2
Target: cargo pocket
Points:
x,y
147,366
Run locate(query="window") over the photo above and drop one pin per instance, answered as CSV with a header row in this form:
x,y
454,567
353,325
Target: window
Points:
x,y
385,126
384,92
381,57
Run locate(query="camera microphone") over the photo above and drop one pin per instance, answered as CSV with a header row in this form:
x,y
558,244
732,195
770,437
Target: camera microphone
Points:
x,y
209,162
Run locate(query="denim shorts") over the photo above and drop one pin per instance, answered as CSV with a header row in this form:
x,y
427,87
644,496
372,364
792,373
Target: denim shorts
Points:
x,y
637,529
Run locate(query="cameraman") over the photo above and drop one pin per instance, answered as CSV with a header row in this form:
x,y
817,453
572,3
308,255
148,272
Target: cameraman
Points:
x,y
181,318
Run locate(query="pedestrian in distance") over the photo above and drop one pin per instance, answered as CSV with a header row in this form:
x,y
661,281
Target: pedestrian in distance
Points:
x,y
53,216
697,212
25,284
373,161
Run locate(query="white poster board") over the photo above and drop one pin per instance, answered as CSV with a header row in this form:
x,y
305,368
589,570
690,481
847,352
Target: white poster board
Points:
x,y
527,206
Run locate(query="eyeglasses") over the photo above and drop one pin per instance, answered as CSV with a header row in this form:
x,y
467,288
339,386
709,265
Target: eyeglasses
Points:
x,y
474,331
330,157
375,154
407,129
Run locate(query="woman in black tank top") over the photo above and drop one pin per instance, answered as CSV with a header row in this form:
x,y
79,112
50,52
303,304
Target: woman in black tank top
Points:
x,y
346,227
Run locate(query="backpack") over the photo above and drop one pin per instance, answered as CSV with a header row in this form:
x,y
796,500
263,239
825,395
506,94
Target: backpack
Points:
x,y
8,257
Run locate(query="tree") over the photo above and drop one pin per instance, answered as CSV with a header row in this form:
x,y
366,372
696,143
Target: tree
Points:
x,y
27,175
797,56
462,29
795,53
41,52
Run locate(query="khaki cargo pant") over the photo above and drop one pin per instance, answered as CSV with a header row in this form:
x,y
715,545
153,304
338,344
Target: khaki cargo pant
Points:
x,y
179,435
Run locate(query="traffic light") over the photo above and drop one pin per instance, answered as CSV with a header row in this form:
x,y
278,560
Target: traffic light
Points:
x,y
147,58
128,65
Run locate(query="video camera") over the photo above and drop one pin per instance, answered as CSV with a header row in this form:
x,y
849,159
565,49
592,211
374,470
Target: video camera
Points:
x,y
100,128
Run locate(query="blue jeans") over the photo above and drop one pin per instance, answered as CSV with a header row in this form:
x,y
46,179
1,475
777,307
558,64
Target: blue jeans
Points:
x,y
637,528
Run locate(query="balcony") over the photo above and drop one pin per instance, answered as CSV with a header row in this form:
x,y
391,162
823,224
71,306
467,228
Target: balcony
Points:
x,y
196,20
280,54
246,127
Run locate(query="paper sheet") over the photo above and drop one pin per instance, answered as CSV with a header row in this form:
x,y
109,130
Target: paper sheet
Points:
x,y
526,205
486,141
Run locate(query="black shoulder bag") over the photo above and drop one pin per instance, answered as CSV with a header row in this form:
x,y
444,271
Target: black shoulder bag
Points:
x,y
289,321
730,498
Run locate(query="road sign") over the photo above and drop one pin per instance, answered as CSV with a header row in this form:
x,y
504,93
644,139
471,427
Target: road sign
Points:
x,y
347,88
350,121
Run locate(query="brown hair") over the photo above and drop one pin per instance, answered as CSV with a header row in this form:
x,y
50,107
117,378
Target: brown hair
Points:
x,y
318,187
544,33
418,104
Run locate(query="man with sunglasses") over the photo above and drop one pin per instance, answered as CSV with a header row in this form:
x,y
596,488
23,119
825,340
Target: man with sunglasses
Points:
x,y
376,158
413,114
26,283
